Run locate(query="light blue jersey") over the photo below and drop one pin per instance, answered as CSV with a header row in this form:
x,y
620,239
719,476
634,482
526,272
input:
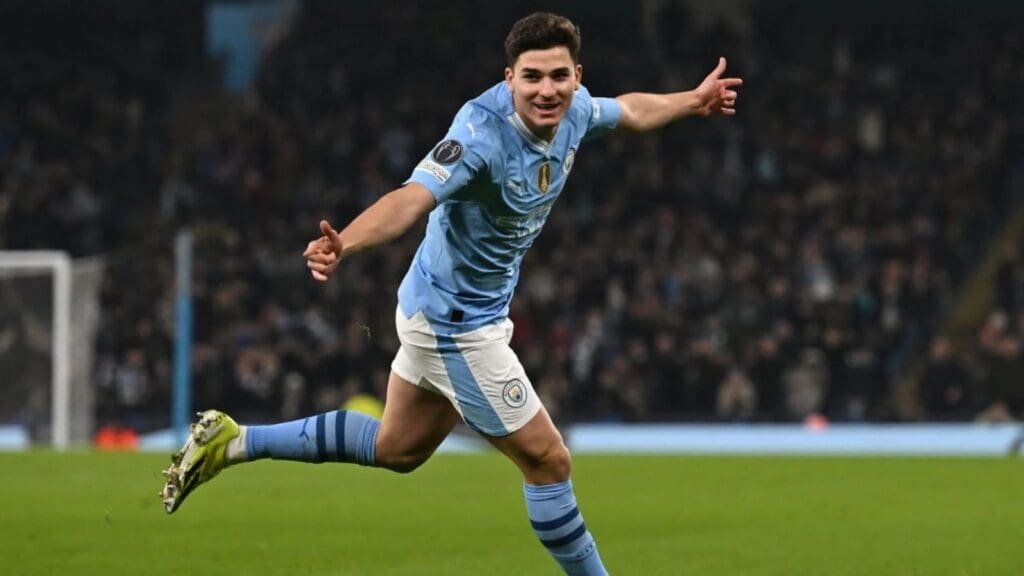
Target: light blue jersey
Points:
x,y
495,183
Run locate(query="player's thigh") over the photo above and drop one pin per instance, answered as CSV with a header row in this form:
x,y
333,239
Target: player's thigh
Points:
x,y
537,449
415,419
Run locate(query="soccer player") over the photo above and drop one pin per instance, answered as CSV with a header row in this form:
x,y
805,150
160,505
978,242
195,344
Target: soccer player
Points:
x,y
488,187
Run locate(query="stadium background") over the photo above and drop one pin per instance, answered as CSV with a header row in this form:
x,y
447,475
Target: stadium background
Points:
x,y
848,249
848,245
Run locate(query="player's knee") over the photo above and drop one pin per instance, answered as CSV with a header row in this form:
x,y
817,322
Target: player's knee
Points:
x,y
406,464
401,462
560,462
552,464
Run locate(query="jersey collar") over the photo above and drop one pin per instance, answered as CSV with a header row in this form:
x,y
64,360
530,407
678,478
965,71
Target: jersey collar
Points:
x,y
538,144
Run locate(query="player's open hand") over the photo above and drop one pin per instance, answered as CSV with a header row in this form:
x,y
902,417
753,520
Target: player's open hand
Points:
x,y
717,95
323,254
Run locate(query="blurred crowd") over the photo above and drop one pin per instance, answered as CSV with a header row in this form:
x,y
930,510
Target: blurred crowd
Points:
x,y
800,259
984,377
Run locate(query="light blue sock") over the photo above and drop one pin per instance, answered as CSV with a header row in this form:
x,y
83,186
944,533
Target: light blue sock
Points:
x,y
558,523
340,436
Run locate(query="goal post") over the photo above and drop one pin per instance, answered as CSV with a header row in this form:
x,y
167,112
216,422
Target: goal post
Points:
x,y
50,317
26,263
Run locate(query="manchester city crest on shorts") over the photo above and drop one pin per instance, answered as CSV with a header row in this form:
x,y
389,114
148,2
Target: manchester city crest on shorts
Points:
x,y
514,393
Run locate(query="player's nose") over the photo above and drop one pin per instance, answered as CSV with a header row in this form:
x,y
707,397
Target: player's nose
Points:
x,y
547,88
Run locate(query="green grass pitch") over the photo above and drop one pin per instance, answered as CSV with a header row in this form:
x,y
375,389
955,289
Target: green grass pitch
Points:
x,y
86,513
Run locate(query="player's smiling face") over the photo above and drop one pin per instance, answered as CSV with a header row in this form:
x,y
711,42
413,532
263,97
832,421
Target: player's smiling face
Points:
x,y
542,84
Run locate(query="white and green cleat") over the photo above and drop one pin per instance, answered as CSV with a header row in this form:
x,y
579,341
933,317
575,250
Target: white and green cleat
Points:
x,y
202,457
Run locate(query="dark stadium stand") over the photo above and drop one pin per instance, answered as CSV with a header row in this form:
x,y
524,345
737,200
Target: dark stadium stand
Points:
x,y
802,258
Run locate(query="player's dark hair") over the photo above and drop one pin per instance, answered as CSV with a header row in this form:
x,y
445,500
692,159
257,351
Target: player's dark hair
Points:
x,y
540,31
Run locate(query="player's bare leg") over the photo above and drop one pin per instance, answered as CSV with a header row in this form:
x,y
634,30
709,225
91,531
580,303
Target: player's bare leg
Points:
x,y
538,450
414,424
541,455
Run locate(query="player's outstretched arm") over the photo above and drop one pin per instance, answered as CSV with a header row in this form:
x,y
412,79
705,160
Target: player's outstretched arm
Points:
x,y
386,219
714,96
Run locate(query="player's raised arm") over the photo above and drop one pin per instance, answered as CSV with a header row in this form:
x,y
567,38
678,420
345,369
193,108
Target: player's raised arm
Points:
x,y
386,219
714,96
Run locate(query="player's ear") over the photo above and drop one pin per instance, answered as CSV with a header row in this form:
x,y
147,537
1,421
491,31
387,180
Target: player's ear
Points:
x,y
579,75
508,77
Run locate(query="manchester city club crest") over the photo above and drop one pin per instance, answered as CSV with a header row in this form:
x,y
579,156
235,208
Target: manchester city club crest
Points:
x,y
570,158
514,393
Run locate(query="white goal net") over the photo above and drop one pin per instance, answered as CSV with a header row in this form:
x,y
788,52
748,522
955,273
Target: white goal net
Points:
x,y
49,312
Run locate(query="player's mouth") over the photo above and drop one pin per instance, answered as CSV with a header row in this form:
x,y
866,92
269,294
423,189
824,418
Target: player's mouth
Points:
x,y
547,109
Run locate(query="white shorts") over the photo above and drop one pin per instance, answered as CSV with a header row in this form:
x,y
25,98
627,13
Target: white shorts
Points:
x,y
476,371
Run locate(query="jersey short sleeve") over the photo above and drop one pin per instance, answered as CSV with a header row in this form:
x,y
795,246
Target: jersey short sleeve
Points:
x,y
602,114
460,157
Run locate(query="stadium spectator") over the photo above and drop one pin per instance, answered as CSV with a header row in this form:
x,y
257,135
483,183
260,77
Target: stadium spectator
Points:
x,y
1001,348
947,390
